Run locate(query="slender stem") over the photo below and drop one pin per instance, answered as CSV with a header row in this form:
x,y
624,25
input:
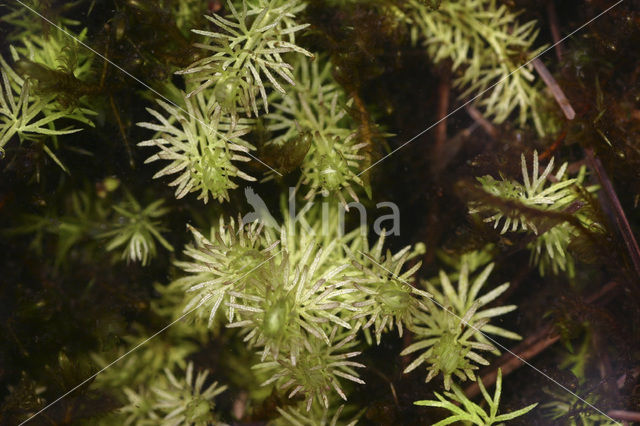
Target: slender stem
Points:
x,y
122,132
555,32
620,217
631,416
486,125
444,90
529,348
555,89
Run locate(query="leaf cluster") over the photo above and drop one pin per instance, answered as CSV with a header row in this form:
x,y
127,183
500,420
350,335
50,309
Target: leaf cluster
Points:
x,y
464,410
545,192
248,48
455,326
486,46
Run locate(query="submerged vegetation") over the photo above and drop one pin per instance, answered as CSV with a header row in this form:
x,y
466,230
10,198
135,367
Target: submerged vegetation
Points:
x,y
145,282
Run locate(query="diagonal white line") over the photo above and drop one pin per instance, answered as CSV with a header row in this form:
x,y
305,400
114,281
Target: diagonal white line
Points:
x,y
138,346
498,344
492,86
142,83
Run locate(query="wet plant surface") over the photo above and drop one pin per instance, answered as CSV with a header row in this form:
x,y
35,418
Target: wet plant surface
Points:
x,y
122,198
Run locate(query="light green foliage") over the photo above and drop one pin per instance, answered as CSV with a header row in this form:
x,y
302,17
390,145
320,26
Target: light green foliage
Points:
x,y
186,13
137,229
143,365
485,43
548,192
173,401
56,50
466,411
203,152
87,218
82,216
578,358
388,297
317,416
550,250
249,49
451,330
302,303
299,296
568,410
21,23
473,259
32,99
32,116
221,264
314,225
316,107
286,303
138,409
317,370
533,192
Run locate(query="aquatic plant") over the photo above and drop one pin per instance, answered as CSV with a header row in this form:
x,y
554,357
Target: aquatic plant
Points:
x,y
316,110
454,327
250,47
573,411
33,117
547,192
315,313
317,369
486,46
203,152
137,229
221,264
464,410
387,299
299,416
173,401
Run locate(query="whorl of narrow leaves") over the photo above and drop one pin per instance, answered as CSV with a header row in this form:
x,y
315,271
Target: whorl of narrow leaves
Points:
x,y
30,116
202,151
247,54
486,45
173,401
221,264
286,304
137,229
464,410
544,190
450,331
317,370
564,408
388,298
547,192
298,415
316,108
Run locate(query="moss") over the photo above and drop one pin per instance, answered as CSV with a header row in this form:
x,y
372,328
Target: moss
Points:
x,y
301,319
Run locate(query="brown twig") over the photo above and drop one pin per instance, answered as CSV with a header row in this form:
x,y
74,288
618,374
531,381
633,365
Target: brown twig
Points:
x,y
621,219
555,89
554,146
444,91
529,348
483,122
630,416
526,350
122,131
365,132
555,32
